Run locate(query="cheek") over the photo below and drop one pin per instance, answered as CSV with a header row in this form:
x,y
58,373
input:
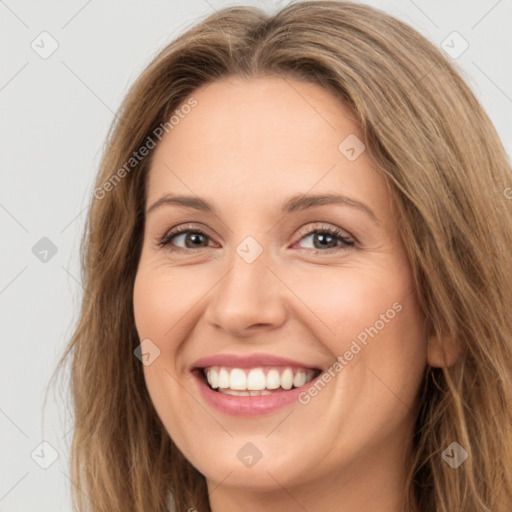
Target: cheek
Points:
x,y
152,297
351,301
371,316
161,299
161,303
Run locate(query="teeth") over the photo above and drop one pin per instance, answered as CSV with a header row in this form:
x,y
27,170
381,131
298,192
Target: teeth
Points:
x,y
245,393
223,378
258,393
254,382
287,379
273,379
238,379
299,379
213,378
235,393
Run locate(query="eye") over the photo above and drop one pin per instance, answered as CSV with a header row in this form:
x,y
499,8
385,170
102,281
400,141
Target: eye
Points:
x,y
325,239
191,236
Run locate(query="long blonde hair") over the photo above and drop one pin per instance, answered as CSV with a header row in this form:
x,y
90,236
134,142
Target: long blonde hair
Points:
x,y
447,172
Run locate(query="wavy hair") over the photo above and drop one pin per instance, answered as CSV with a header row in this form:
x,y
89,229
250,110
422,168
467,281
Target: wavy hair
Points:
x,y
447,173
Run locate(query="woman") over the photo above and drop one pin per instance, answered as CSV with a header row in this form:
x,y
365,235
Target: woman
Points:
x,y
298,276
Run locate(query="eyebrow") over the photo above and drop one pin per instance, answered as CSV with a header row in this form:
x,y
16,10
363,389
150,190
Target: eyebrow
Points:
x,y
294,203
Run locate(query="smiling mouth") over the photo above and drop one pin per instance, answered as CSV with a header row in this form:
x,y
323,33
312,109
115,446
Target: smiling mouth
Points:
x,y
256,381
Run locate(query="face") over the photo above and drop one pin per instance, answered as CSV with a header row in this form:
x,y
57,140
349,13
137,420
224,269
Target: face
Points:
x,y
299,305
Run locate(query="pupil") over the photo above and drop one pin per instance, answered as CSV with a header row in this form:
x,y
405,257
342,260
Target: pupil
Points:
x,y
323,236
193,237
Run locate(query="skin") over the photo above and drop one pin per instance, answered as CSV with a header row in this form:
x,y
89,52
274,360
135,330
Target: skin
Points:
x,y
247,146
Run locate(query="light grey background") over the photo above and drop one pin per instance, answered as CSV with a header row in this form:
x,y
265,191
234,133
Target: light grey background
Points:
x,y
55,113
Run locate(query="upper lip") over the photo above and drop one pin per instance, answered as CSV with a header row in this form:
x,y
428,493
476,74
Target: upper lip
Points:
x,y
249,361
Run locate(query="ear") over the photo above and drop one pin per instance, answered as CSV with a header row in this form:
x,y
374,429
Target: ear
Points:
x,y
442,351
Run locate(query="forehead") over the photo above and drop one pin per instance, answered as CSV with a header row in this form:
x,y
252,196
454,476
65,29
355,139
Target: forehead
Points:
x,y
248,111
255,140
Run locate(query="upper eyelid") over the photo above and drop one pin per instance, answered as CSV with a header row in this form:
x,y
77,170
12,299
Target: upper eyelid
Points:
x,y
307,230
319,225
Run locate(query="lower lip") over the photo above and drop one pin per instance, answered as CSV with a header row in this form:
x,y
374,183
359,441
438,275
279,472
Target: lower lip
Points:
x,y
247,405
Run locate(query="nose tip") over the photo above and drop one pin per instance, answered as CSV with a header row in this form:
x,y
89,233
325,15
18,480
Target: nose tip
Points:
x,y
246,298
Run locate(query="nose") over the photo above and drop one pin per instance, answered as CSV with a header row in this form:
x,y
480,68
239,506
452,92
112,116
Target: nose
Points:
x,y
248,298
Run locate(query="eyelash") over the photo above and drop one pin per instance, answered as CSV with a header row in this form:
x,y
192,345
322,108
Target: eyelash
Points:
x,y
337,233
